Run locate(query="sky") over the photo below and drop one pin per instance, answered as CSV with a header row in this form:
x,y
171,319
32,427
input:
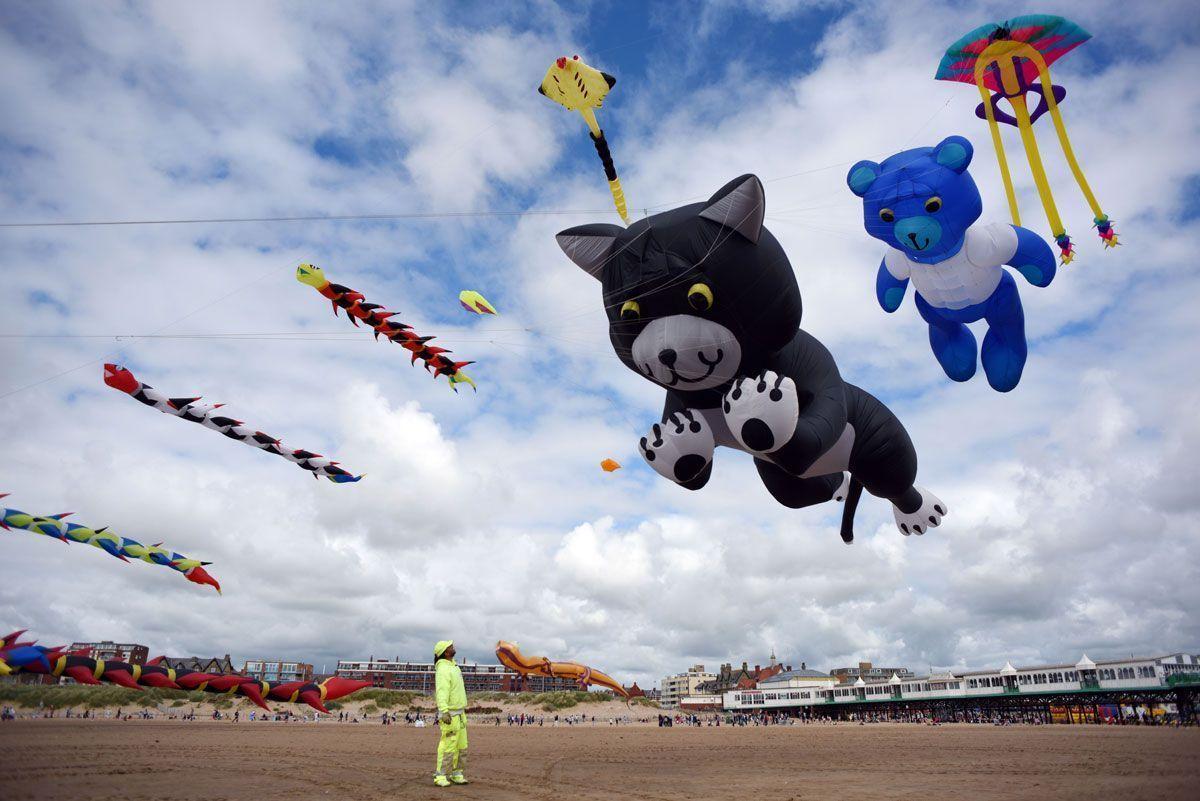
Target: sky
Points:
x,y
1074,519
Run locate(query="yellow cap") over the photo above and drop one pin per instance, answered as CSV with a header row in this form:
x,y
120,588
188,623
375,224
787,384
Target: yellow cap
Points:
x,y
441,647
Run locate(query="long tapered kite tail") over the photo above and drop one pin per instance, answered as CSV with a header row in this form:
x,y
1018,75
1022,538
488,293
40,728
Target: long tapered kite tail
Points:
x,y
511,657
113,544
1011,60
381,322
207,415
577,87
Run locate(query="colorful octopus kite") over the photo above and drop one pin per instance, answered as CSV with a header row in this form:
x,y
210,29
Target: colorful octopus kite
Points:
x,y
511,657
32,658
1012,60
122,548
187,409
377,316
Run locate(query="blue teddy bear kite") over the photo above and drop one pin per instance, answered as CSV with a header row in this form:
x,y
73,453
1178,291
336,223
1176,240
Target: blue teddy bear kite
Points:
x,y
924,204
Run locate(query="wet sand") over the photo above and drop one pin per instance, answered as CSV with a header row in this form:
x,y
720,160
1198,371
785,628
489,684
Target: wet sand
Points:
x,y
134,760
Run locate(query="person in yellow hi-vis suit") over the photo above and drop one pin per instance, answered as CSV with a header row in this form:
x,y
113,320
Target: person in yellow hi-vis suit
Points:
x,y
452,716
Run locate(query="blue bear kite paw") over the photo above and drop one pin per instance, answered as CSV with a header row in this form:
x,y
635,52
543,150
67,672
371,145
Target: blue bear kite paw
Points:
x,y
892,299
1033,274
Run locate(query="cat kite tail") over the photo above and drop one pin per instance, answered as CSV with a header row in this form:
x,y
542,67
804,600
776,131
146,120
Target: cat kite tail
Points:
x,y
113,544
511,657
379,319
578,87
1009,62
476,303
206,415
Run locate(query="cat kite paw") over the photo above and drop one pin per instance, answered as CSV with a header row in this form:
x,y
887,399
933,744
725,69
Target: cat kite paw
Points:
x,y
841,492
680,447
762,412
928,516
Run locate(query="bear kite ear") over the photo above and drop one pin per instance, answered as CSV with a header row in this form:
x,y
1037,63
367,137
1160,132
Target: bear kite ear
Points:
x,y
954,152
740,205
589,246
861,176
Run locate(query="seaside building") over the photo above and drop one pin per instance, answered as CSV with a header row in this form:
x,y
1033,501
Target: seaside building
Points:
x,y
868,672
675,688
203,664
730,678
1084,690
396,674
277,670
130,652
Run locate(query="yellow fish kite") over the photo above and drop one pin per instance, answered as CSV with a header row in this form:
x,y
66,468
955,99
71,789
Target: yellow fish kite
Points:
x,y
578,87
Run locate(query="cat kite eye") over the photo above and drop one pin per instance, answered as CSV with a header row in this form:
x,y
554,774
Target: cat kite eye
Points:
x,y
886,215
631,310
933,204
700,297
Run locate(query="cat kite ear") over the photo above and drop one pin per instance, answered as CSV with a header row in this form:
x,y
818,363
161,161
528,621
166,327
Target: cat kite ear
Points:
x,y
954,152
861,176
741,205
590,246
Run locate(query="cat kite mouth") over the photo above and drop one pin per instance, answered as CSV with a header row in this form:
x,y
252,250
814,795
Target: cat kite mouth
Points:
x,y
676,378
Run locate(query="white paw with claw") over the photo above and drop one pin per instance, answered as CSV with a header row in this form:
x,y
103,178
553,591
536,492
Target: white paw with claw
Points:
x,y
929,515
762,412
680,447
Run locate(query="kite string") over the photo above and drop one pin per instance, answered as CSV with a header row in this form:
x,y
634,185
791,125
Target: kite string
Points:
x,y
241,288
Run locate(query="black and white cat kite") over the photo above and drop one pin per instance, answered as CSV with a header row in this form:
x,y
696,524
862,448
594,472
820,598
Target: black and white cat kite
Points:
x,y
703,301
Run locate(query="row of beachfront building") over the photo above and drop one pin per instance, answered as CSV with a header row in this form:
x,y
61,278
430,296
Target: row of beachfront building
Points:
x,y
1172,678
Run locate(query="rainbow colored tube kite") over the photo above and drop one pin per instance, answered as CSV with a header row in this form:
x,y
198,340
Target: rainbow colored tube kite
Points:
x,y
187,409
122,548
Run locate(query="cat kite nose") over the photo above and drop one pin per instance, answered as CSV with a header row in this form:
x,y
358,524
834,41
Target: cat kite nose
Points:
x,y
667,356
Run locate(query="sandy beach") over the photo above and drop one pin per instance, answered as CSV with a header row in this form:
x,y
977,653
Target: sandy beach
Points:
x,y
101,759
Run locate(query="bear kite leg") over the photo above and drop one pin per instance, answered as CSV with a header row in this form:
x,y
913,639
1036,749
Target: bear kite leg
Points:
x,y
1004,348
952,342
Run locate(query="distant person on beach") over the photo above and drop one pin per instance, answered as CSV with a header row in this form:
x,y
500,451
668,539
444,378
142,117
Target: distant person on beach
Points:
x,y
452,716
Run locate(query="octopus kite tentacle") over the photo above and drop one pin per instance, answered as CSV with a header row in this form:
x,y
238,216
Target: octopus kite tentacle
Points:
x,y
187,409
122,548
377,317
32,658
511,657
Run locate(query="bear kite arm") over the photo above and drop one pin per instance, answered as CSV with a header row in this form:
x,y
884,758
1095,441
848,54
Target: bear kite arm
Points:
x,y
1033,258
822,395
889,290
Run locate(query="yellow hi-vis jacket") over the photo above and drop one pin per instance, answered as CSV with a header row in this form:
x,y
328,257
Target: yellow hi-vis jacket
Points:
x,y
450,691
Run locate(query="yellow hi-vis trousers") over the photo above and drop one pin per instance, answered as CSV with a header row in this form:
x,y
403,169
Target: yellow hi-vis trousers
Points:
x,y
452,746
